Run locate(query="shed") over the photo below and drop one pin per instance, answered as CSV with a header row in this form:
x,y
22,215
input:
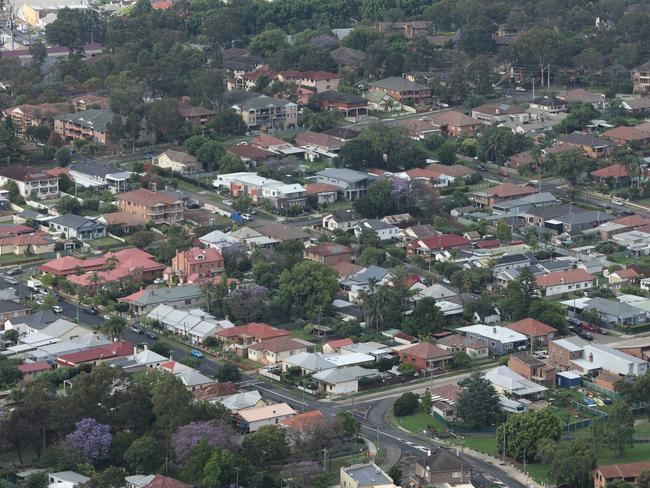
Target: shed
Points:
x,y
568,379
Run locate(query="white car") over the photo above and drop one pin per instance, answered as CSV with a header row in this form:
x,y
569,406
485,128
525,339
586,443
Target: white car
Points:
x,y
227,202
10,280
158,281
57,309
106,317
248,217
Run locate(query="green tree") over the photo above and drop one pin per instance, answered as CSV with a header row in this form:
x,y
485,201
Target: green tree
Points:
x,y
523,432
268,43
115,326
572,464
427,402
266,445
540,46
36,480
223,467
350,426
425,319
144,455
461,360
308,289
619,429
447,153
227,372
405,404
478,402
110,477
519,295
378,202
643,480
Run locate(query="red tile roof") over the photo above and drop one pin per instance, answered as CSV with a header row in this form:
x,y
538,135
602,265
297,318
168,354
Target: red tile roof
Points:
x,y
448,392
443,241
316,188
215,390
319,139
505,190
456,170
612,171
146,198
423,173
564,278
210,255
426,350
306,420
328,249
160,481
626,273
626,134
453,118
278,344
629,470
345,268
24,173
259,331
34,367
531,327
338,343
488,243
246,151
632,220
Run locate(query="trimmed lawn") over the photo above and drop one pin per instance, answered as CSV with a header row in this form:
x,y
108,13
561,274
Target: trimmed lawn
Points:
x,y
640,452
418,422
105,242
486,445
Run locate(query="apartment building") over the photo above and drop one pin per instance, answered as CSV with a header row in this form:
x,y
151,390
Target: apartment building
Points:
x,y
641,78
402,90
26,116
196,263
257,188
151,206
91,123
262,113
351,184
31,182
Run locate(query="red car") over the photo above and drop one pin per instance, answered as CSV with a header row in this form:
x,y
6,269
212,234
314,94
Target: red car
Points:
x,y
593,328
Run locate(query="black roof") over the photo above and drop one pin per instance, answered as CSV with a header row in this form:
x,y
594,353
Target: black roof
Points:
x,y
517,258
7,306
442,460
39,320
344,133
337,96
96,168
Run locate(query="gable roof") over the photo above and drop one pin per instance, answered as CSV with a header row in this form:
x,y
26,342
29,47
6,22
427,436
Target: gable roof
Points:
x,y
160,481
259,331
179,156
426,350
510,190
278,344
146,198
611,171
439,242
626,134
310,419
453,118
397,83
76,222
564,277
24,173
627,470
531,327
266,412
338,343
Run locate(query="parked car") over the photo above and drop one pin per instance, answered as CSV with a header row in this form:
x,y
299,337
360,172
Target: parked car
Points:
x,y
57,309
151,335
587,336
158,281
10,280
106,317
480,167
137,329
14,271
227,202
197,354
591,328
90,310
246,216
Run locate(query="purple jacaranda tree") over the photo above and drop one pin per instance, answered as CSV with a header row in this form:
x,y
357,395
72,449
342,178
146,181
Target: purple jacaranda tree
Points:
x,y
296,475
185,439
246,303
90,439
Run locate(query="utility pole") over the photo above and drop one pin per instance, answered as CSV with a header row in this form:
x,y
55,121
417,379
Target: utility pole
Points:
x,y
325,459
237,477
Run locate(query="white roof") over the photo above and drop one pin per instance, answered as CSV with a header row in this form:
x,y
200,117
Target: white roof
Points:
x,y
339,360
436,291
342,375
70,477
585,365
217,237
140,479
266,412
508,380
571,375
610,351
568,345
239,401
497,333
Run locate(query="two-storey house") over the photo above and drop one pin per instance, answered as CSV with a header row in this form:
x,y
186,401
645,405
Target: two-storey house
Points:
x,y
151,206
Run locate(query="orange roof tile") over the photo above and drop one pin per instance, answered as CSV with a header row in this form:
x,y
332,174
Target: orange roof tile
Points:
x,y
531,327
569,277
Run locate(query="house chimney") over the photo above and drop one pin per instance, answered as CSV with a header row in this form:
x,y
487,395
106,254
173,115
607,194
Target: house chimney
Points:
x,y
135,350
146,347
494,329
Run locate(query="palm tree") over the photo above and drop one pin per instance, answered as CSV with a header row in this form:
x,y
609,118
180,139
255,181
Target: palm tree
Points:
x,y
114,327
94,279
207,292
78,270
111,263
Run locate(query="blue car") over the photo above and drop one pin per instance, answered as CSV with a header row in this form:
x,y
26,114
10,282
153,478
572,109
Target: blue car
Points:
x,y
197,354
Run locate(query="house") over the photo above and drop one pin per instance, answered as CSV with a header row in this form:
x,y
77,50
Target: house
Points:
x,y
613,171
409,29
251,419
531,368
196,264
100,176
623,277
418,232
197,116
154,481
152,206
11,310
275,350
251,333
345,57
85,102
282,232
318,81
559,282
629,472
636,106
181,297
536,331
276,145
193,324
122,222
191,378
381,102
519,206
139,361
563,352
499,193
336,345
511,384
431,245
345,220
441,467
352,107
494,113
641,78
31,244
95,355
402,90
306,421
322,192
28,324
474,348
573,223
551,105
591,145
521,160
610,312
260,189
216,392
425,356
362,281
624,135
351,184
72,226
262,113
244,400
92,123
178,162
455,124
32,183
364,476
329,253
384,230
31,369
342,381
250,154
501,340
580,95
66,479
453,172
25,116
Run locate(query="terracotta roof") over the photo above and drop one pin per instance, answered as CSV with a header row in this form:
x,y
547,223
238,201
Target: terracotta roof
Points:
x,y
456,119
160,481
306,420
439,242
123,218
37,238
161,5
531,327
209,254
318,139
629,470
112,350
24,173
215,390
146,198
278,344
457,340
510,190
455,170
34,367
246,151
423,173
448,392
564,277
626,273
185,110
329,249
626,134
426,350
266,140
612,171
259,331
632,221
338,343
488,243
644,126
346,269
316,188
55,172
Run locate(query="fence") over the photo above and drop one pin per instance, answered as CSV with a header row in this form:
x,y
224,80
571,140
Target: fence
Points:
x,y
599,389
639,408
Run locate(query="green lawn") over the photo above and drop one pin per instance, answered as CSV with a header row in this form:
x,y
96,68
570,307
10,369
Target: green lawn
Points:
x,y
418,422
642,429
486,445
105,242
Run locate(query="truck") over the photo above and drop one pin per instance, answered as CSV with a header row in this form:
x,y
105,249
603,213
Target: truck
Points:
x,y
34,284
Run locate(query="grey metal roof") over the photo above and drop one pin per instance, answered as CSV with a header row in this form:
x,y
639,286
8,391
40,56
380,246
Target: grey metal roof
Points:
x,y
77,222
38,320
399,84
535,199
376,224
343,174
615,308
364,276
589,140
260,102
96,168
162,295
11,306
368,475
97,119
591,216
